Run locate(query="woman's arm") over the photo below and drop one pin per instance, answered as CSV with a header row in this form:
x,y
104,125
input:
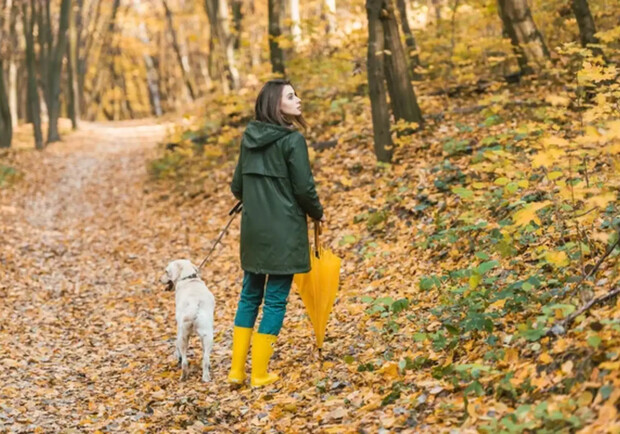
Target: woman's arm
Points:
x,y
236,186
300,175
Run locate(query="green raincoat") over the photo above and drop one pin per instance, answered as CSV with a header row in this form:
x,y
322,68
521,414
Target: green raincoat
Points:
x,y
274,181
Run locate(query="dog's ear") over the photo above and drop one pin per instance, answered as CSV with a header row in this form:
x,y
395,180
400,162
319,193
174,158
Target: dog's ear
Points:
x,y
175,271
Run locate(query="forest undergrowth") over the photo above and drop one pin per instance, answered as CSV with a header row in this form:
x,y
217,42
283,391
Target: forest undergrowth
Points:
x,y
467,260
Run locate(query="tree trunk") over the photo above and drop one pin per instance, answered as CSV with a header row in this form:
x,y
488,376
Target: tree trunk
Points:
x,y
437,8
330,7
183,61
228,44
13,97
402,96
152,79
256,33
55,70
276,54
6,127
72,85
222,43
376,86
295,20
13,48
526,40
237,6
33,107
85,21
93,102
414,57
587,29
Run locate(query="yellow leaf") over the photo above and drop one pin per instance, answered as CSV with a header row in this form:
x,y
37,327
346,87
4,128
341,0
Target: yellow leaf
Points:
x,y
524,183
557,258
346,181
390,370
585,399
10,363
610,366
554,175
567,367
474,280
545,358
498,304
601,201
547,158
553,141
528,213
502,181
557,100
511,355
540,382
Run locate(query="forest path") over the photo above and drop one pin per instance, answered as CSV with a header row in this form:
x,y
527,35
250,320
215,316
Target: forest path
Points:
x,y
84,325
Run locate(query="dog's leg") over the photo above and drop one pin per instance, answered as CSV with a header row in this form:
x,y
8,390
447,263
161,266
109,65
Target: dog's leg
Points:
x,y
207,346
177,349
185,328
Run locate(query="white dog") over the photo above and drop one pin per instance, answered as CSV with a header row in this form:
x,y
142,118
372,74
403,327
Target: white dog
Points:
x,y
194,311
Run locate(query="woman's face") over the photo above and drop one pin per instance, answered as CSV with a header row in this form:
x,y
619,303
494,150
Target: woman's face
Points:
x,y
290,104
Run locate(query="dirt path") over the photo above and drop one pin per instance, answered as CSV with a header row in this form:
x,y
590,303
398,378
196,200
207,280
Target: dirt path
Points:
x,y
85,331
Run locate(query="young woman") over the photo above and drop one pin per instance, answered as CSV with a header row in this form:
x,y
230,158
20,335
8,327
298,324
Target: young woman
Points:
x,y
274,181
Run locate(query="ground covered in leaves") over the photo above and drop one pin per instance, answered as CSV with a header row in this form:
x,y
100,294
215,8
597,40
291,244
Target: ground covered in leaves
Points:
x,y
458,261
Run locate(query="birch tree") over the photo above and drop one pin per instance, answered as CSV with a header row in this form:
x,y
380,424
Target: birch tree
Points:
x,y
526,39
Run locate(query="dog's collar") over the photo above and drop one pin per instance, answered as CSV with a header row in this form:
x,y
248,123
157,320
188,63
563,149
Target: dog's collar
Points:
x,y
191,276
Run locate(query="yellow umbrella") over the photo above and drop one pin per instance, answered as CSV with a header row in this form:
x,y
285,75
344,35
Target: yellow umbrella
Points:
x,y
318,287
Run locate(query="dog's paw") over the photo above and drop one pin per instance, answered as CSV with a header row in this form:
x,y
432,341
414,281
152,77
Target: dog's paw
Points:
x,y
206,377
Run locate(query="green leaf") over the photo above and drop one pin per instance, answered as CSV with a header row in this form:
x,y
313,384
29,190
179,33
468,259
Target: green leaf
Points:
x,y
399,305
385,301
367,299
348,359
463,192
606,390
419,337
486,266
476,388
594,341
533,334
347,239
427,283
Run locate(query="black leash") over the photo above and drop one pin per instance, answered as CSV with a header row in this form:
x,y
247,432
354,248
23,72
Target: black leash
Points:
x,y
233,212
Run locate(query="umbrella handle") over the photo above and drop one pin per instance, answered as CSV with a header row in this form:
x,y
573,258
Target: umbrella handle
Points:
x,y
317,232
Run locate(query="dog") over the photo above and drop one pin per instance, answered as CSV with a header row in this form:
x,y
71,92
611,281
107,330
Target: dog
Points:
x,y
194,312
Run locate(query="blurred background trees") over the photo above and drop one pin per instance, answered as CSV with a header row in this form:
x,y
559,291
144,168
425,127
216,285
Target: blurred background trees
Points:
x,y
128,59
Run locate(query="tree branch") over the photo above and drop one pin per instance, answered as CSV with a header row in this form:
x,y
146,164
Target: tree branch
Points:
x,y
559,327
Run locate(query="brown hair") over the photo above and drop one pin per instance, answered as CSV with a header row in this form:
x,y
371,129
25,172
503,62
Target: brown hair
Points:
x,y
267,108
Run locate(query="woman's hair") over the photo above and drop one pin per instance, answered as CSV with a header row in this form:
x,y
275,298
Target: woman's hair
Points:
x,y
267,108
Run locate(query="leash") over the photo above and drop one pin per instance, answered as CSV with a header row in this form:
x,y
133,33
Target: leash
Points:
x,y
233,212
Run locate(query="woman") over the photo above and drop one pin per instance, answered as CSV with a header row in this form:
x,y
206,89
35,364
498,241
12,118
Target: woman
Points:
x,y
274,181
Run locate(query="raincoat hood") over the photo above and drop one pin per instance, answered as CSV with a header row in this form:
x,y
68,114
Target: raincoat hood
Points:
x,y
261,134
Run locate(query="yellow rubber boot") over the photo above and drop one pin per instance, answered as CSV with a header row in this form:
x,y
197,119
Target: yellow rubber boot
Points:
x,y
262,349
241,345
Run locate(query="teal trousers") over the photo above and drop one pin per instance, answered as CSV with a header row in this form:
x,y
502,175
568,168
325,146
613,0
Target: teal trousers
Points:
x,y
275,295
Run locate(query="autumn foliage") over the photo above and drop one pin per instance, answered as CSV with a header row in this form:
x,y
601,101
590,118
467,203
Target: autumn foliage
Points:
x,y
479,279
